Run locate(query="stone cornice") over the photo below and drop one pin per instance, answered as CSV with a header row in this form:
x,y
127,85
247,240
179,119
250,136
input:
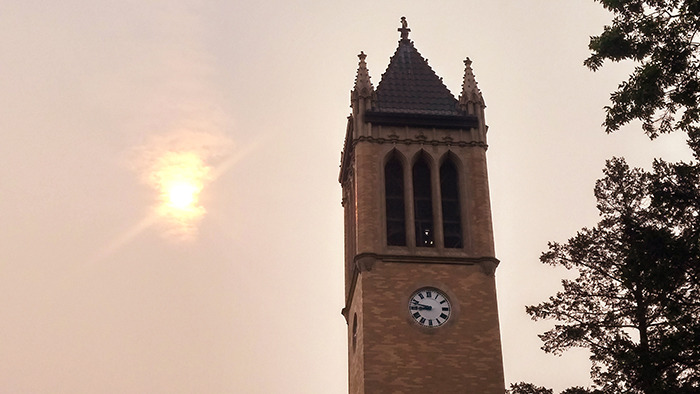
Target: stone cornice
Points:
x,y
365,262
421,119
447,141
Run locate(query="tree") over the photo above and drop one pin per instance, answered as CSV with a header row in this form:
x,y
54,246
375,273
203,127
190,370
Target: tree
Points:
x,y
527,388
580,390
635,303
664,89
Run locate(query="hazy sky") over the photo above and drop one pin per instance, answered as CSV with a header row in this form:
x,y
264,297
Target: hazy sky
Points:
x,y
103,102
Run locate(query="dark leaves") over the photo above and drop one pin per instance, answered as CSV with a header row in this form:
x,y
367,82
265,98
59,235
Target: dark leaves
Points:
x,y
634,303
663,91
527,388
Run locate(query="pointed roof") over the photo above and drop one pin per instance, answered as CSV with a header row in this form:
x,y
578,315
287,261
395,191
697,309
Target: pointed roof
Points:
x,y
410,88
410,85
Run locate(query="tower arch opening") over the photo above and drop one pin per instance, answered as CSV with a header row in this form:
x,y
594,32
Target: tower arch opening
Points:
x,y
423,202
450,204
394,201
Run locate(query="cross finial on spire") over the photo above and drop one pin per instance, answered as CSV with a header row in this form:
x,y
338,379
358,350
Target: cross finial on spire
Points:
x,y
404,28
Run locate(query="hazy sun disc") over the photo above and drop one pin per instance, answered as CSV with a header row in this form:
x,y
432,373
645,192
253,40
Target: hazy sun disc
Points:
x,y
182,195
180,176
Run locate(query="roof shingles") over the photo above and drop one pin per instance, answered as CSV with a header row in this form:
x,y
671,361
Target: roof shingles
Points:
x,y
410,86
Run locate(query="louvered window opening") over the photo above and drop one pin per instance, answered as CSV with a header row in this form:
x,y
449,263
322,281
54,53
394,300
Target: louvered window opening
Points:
x,y
395,209
451,216
424,222
423,205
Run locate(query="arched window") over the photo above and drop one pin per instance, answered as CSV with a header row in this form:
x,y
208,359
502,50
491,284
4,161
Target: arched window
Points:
x,y
395,214
451,219
423,204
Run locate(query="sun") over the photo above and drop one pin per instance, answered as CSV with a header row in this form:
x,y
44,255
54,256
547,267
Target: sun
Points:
x,y
179,166
180,177
182,195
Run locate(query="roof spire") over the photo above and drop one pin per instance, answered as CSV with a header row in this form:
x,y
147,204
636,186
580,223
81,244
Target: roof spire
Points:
x,y
470,90
363,85
404,28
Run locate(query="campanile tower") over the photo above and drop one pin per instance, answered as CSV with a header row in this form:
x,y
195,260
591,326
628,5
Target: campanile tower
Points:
x,y
420,295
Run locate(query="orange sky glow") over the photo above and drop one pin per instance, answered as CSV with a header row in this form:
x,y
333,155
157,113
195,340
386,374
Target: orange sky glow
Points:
x,y
170,207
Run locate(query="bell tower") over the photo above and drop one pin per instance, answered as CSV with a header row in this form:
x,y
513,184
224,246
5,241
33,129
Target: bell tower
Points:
x,y
420,295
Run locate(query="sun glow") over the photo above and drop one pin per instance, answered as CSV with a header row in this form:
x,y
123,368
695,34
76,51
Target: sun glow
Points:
x,y
182,195
180,177
179,166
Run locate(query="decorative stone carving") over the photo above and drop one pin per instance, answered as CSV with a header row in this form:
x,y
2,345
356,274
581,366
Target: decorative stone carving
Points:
x,y
365,262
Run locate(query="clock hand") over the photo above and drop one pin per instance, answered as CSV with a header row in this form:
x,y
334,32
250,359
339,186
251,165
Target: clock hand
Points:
x,y
428,307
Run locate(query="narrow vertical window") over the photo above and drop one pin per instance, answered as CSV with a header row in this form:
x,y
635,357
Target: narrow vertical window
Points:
x,y
451,219
423,204
395,214
354,331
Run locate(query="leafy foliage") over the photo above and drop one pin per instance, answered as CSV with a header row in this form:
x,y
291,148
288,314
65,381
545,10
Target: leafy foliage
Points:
x,y
636,301
664,89
527,388
580,390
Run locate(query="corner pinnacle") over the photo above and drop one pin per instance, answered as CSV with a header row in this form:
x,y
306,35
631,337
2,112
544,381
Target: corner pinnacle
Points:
x,y
470,89
363,85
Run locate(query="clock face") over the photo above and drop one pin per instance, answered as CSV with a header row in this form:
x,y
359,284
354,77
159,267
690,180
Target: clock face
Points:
x,y
429,307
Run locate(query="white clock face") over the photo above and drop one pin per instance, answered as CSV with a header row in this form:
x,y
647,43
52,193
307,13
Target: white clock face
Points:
x,y
429,307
